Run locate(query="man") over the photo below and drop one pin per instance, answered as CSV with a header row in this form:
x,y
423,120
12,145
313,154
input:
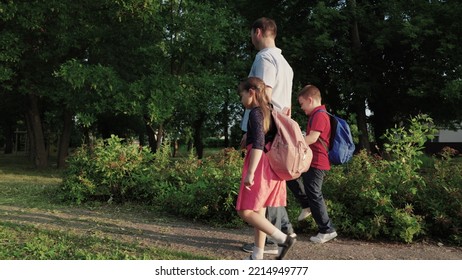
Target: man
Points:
x,y
270,66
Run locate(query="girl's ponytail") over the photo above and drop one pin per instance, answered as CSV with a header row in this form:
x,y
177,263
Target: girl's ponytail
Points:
x,y
261,97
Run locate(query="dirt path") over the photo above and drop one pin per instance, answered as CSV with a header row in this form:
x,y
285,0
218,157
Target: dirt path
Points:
x,y
216,243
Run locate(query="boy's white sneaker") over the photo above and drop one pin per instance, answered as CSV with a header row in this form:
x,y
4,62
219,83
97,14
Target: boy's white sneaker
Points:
x,y
323,237
306,212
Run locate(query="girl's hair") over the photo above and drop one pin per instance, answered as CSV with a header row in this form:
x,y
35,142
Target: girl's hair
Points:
x,y
261,98
267,25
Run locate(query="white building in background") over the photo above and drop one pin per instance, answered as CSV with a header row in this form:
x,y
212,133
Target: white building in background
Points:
x,y
445,138
449,136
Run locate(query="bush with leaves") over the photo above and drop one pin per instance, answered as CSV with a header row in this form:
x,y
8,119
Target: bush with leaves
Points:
x,y
440,200
369,198
373,197
116,171
205,189
110,170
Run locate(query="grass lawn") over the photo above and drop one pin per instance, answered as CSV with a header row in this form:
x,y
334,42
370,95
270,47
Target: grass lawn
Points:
x,y
36,225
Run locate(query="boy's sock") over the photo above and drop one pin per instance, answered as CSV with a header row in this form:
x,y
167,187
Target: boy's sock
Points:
x,y
279,236
257,253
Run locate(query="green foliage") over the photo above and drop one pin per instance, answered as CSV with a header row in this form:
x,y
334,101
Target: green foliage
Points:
x,y
116,172
109,170
441,199
205,189
371,197
180,60
404,148
390,197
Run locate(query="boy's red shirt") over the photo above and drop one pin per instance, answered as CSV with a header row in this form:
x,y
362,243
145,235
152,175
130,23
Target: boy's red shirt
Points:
x,y
320,123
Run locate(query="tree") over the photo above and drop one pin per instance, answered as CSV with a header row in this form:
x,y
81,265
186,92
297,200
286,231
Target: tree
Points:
x,y
202,55
390,55
34,30
174,65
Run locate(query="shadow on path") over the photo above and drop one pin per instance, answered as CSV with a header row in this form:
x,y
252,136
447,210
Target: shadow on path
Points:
x,y
217,243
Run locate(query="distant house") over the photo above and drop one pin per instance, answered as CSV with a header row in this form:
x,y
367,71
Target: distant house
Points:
x,y
449,136
445,138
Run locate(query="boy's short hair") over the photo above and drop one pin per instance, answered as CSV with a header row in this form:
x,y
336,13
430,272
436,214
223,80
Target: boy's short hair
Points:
x,y
310,91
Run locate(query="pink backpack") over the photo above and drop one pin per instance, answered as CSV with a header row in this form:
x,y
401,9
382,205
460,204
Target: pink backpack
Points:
x,y
289,155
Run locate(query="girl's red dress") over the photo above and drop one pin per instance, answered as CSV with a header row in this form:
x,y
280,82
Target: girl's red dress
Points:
x,y
267,189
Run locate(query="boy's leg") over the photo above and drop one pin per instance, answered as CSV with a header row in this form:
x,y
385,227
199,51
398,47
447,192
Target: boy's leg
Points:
x,y
312,180
297,188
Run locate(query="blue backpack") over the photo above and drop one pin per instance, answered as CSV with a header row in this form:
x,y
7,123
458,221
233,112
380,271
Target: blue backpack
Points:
x,y
341,146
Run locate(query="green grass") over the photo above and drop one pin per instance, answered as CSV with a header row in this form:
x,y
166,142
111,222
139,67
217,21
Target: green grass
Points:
x,y
25,242
36,225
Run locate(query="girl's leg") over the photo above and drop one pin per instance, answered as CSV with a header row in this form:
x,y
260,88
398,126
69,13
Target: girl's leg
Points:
x,y
259,240
257,220
260,236
260,223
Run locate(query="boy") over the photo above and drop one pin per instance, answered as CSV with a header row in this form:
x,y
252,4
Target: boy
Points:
x,y
311,196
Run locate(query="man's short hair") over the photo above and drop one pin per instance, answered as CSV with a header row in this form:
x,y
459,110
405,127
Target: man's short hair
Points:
x,y
267,25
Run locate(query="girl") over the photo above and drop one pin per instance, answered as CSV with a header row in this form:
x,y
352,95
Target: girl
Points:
x,y
260,187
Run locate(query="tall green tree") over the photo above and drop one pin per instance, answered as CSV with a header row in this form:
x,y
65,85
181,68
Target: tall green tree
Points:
x,y
40,44
203,58
412,62
396,57
174,65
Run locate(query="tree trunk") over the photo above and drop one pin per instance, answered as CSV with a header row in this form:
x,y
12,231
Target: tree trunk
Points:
x,y
176,147
65,139
362,127
160,136
197,126
360,101
152,141
38,153
226,121
9,136
30,137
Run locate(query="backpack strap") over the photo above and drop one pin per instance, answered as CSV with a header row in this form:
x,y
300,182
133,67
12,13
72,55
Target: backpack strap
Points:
x,y
319,138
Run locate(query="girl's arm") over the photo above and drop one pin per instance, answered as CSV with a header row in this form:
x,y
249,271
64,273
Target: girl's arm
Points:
x,y
255,156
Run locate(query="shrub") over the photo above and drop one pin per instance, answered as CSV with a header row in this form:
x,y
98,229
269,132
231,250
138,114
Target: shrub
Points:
x,y
205,189
357,191
377,194
114,171
394,198
440,200
110,170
